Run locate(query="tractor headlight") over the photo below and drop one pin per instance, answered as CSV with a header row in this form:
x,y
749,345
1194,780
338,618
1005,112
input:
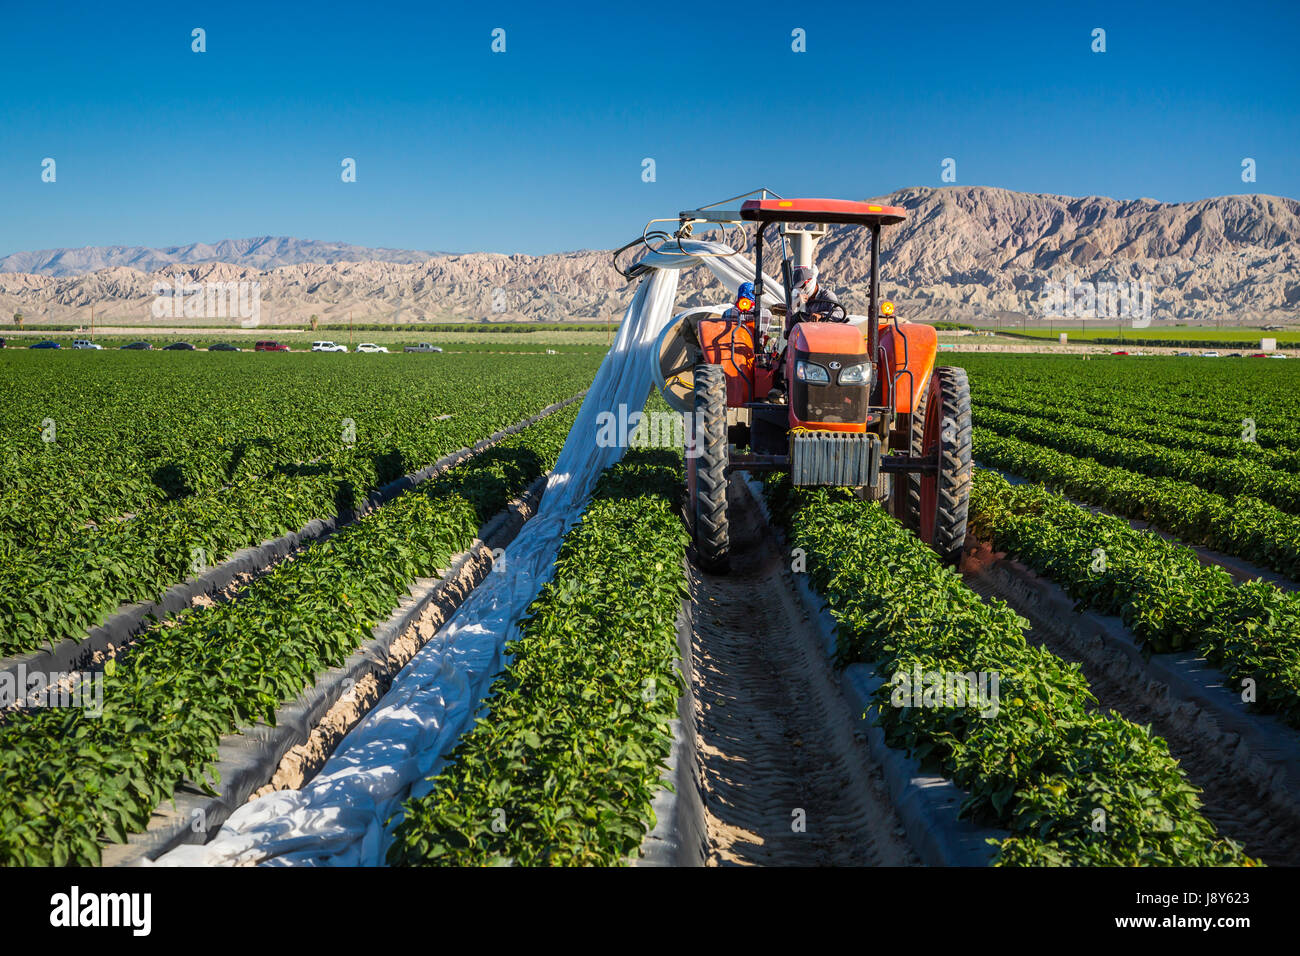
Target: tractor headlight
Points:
x,y
811,372
856,374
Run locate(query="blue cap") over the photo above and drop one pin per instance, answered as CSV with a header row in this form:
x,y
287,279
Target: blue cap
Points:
x,y
746,291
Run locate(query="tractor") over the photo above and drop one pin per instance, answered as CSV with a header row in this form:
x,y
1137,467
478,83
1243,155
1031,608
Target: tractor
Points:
x,y
861,404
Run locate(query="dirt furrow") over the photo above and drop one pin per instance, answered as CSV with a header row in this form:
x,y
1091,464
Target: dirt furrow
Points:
x,y
1244,800
784,778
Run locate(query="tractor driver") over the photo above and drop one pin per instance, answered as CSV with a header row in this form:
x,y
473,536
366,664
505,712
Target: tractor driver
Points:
x,y
809,303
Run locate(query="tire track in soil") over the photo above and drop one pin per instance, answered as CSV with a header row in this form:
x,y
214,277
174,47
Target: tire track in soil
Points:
x,y
775,735
1237,808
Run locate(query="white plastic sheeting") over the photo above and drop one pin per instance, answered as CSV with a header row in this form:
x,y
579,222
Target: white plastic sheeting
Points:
x,y
342,816
730,270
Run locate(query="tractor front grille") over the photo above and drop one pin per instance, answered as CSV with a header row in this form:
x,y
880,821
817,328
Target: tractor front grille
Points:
x,y
831,403
834,458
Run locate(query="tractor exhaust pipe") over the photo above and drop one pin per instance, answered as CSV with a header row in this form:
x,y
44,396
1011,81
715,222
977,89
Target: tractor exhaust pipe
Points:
x,y
803,242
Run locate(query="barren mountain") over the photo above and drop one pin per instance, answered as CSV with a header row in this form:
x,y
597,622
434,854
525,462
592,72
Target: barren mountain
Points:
x,y
963,253
263,252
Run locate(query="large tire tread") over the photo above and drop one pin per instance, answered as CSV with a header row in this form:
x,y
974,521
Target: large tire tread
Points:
x,y
952,495
710,527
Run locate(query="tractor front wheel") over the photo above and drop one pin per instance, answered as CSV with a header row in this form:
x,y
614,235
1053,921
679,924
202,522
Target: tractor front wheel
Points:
x,y
706,470
938,500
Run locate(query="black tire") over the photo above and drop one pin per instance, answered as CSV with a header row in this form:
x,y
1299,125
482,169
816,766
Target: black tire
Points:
x,y
947,494
912,505
707,499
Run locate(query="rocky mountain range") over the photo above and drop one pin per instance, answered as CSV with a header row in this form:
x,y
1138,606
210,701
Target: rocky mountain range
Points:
x,y
964,253
263,252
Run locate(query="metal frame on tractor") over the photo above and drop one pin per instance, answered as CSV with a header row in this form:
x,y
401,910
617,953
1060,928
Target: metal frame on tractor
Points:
x,y
904,440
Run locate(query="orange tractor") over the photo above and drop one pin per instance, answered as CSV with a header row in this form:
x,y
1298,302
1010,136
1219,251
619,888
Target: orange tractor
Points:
x,y
860,404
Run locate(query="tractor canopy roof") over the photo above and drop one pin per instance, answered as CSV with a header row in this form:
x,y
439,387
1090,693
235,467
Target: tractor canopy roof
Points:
x,y
821,210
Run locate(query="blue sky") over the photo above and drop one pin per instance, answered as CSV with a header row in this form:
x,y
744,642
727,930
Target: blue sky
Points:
x,y
540,148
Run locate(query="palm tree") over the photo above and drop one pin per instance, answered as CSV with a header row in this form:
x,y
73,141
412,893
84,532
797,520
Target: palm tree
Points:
x,y
314,320
18,320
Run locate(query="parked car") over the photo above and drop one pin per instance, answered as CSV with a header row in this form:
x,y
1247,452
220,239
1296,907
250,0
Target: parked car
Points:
x,y
222,347
1119,353
1209,355
138,346
267,345
1273,355
328,347
2,343
422,347
47,344
1234,355
1258,355
1184,354
86,344
371,347
179,347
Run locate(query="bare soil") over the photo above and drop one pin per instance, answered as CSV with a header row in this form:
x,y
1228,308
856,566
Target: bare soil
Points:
x,y
1241,796
785,779
304,761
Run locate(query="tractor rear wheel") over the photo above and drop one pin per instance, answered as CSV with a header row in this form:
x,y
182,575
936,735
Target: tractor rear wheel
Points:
x,y
706,470
938,501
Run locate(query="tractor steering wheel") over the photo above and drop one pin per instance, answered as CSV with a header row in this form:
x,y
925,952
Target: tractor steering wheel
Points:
x,y
830,313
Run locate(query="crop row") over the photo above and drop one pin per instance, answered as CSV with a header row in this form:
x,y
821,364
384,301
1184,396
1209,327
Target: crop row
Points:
x,y
1073,786
1137,339
1241,526
70,584
1165,431
1228,477
1165,377
1162,592
70,778
88,446
565,764
1214,398
1161,415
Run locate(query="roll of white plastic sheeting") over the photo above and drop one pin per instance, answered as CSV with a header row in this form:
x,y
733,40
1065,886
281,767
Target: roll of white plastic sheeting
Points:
x,y
345,815
729,269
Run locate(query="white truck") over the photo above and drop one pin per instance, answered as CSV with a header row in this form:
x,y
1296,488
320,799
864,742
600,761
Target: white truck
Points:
x,y
328,347
422,347
86,344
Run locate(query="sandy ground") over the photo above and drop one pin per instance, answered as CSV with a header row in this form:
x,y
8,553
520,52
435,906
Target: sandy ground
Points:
x,y
304,761
784,778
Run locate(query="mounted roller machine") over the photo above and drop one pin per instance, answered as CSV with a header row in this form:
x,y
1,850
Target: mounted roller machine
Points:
x,y
863,405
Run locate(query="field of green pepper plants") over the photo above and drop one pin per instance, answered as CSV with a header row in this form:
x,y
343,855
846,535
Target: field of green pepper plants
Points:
x,y
1160,492
1047,766
75,781
1160,495
563,769
124,473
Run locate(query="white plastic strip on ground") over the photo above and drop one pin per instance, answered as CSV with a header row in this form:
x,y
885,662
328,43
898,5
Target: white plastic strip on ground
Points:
x,y
342,817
